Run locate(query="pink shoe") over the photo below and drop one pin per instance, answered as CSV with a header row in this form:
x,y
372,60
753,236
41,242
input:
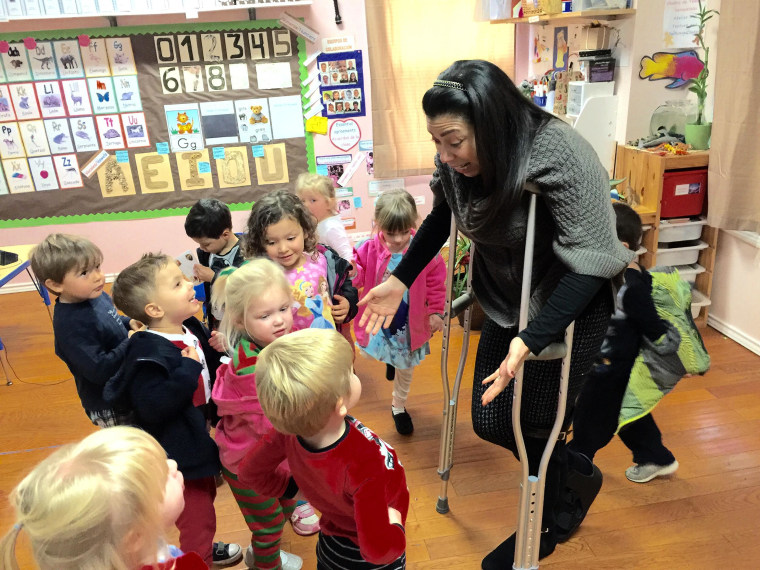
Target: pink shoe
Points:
x,y
304,520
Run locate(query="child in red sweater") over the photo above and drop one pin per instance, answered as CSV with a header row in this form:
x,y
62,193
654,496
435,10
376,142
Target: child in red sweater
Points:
x,y
306,385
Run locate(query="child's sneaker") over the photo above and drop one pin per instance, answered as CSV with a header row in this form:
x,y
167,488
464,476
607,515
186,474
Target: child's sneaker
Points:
x,y
304,520
226,554
648,471
287,560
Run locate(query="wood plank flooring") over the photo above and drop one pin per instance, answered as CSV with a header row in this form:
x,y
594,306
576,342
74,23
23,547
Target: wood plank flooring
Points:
x,y
707,515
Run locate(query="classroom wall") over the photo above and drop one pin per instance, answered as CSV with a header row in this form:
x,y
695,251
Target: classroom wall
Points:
x,y
123,242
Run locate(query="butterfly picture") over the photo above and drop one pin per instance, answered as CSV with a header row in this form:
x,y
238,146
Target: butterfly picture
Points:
x,y
103,97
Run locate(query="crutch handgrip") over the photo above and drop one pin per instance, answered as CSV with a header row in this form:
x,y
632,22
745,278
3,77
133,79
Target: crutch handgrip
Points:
x,y
461,303
555,351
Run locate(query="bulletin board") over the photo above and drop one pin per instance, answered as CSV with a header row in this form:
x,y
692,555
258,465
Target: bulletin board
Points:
x,y
182,111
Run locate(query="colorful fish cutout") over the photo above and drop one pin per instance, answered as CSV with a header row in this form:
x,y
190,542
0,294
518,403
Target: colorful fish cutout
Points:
x,y
680,67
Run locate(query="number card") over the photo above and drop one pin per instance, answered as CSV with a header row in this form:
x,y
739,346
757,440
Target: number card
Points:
x,y
127,93
17,175
170,80
16,63
51,99
95,58
190,175
211,45
11,145
84,134
154,172
234,45
43,173
165,50
34,137
68,59
24,101
193,77
120,56
77,97
67,168
187,46
59,136
42,61
215,77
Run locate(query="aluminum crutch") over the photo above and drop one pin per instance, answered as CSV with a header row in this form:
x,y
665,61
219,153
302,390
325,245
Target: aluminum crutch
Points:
x,y
528,537
453,307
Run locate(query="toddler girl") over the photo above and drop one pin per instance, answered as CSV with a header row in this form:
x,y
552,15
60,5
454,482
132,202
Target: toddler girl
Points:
x,y
103,503
281,228
405,343
258,304
318,195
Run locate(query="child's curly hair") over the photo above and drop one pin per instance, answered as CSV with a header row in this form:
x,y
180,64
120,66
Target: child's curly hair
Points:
x,y
271,209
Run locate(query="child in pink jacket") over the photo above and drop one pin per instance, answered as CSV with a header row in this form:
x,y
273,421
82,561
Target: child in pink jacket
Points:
x,y
404,344
257,301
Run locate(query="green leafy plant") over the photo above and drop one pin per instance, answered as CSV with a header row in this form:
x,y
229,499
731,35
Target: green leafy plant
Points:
x,y
462,259
699,85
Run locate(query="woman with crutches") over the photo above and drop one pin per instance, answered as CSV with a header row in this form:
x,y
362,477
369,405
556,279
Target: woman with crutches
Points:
x,y
491,144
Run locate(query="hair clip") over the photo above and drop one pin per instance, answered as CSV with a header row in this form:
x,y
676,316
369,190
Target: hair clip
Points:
x,y
449,84
18,526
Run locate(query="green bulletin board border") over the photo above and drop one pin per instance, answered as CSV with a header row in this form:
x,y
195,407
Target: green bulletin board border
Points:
x,y
48,35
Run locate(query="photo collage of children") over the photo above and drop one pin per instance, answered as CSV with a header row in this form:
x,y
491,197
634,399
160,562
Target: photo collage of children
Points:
x,y
341,86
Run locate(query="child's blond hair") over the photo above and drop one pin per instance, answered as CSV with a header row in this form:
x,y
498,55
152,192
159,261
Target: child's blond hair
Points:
x,y
322,185
81,505
135,285
58,254
395,211
301,376
234,289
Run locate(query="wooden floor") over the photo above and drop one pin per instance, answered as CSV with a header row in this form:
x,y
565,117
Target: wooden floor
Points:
x,y
707,515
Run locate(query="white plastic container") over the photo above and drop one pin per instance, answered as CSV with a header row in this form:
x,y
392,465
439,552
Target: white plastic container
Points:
x,y
683,254
698,300
671,230
689,272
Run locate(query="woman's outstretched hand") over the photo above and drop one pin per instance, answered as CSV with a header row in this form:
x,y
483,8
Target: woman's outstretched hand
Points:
x,y
382,303
518,352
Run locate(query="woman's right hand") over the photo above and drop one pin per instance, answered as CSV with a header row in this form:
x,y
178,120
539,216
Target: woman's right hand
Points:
x,y
382,303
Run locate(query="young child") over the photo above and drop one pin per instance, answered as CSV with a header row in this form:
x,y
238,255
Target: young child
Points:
x,y
635,323
165,380
281,228
209,224
306,386
90,336
105,502
405,343
318,195
258,305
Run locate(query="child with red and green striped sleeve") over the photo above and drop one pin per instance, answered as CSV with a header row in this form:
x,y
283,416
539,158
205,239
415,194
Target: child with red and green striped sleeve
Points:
x,y
257,309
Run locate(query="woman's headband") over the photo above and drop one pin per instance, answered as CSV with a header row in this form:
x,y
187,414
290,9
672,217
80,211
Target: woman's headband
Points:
x,y
449,84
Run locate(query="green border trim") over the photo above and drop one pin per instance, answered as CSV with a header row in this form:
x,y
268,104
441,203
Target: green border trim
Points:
x,y
134,30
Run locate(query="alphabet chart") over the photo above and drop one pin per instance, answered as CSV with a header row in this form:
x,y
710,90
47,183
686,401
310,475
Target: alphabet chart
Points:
x,y
183,111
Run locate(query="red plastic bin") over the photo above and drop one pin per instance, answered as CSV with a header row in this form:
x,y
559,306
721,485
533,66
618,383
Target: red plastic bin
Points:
x,y
683,193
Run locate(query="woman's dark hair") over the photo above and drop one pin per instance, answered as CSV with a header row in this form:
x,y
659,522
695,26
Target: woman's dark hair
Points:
x,y
627,225
505,123
271,209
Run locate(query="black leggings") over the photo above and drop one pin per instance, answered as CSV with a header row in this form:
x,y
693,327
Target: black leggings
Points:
x,y
540,380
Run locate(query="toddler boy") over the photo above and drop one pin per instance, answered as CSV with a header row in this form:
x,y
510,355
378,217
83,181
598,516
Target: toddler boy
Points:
x,y
90,336
306,384
209,224
165,380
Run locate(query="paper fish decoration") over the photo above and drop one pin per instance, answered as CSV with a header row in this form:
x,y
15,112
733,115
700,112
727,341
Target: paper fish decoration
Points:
x,y
681,67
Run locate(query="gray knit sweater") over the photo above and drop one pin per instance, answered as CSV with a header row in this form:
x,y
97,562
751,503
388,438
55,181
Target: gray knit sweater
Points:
x,y
575,224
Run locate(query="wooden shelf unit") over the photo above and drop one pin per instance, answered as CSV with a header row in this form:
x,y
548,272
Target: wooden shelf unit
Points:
x,y
643,172
563,17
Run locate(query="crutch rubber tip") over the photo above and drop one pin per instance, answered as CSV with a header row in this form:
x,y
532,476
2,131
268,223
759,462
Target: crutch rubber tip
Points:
x,y
442,506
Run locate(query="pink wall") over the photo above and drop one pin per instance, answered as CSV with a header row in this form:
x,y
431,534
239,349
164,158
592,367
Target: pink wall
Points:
x,y
123,242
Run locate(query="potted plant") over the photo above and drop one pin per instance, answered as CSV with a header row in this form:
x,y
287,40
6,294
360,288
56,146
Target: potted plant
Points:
x,y
461,269
698,133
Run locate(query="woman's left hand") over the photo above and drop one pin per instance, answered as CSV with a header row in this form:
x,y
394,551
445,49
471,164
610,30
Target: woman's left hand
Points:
x,y
340,308
518,352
